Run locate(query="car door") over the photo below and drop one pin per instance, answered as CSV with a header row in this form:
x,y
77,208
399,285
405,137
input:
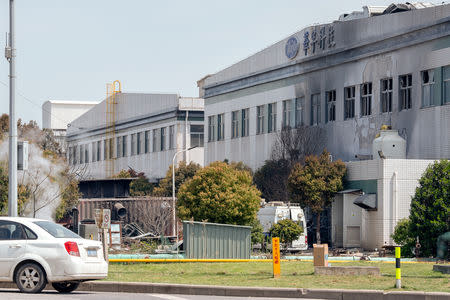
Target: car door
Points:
x,y
12,245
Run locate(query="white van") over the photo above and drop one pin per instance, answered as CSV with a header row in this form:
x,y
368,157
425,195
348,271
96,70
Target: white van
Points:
x,y
272,212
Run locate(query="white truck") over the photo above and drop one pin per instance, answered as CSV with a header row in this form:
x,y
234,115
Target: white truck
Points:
x,y
272,212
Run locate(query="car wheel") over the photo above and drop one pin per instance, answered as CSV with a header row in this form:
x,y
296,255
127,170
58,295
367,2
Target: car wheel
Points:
x,y
30,278
65,286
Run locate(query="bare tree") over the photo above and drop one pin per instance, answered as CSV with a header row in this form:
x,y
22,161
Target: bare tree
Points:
x,y
291,146
294,144
155,216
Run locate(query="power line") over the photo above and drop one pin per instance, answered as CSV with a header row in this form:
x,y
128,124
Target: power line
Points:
x,y
35,104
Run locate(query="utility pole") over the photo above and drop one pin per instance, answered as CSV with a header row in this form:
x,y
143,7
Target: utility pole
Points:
x,y
10,56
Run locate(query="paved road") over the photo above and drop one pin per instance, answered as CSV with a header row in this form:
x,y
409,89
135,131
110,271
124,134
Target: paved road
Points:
x,y
6,294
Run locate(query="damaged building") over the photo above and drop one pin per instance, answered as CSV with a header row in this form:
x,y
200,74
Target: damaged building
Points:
x,y
379,66
349,77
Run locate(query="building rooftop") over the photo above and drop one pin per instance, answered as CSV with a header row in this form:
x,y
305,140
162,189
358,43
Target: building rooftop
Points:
x,y
72,102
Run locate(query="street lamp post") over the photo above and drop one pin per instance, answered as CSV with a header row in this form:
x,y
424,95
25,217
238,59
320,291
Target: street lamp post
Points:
x,y
174,225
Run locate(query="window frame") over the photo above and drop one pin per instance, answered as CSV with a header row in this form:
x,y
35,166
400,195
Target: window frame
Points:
x,y
172,137
272,117
162,143
430,86
138,143
349,102
133,144
155,135
147,141
316,109
330,100
235,124
245,119
99,150
197,134
386,94
260,117
119,147
211,128
220,127
299,117
287,113
21,226
405,103
365,96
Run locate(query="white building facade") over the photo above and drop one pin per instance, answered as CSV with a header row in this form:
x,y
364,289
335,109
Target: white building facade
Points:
x,y
348,77
385,188
57,114
148,130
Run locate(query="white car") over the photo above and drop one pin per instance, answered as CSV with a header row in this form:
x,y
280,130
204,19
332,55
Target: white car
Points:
x,y
35,252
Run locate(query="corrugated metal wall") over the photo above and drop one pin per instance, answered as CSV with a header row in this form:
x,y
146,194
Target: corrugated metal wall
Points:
x,y
210,240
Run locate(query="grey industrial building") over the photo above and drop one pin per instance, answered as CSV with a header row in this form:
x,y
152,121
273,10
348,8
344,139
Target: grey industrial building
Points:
x,y
384,65
138,131
380,66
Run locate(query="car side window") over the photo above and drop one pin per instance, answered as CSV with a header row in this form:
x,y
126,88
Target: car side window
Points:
x,y
11,231
30,234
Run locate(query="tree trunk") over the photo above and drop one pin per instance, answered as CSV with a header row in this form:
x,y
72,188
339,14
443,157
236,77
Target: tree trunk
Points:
x,y
34,205
318,228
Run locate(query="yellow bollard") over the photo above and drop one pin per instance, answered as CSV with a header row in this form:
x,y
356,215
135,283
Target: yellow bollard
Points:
x,y
276,257
398,271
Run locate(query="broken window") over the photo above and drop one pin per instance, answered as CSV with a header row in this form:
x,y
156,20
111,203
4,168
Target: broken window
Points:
x,y
366,99
331,105
427,88
405,88
386,95
349,102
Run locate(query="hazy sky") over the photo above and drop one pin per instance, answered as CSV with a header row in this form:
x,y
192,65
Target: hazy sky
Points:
x,y
69,50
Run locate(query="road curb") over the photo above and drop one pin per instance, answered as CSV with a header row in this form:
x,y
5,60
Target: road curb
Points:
x,y
230,291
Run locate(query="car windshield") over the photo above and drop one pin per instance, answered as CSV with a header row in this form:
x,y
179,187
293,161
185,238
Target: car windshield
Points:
x,y
56,230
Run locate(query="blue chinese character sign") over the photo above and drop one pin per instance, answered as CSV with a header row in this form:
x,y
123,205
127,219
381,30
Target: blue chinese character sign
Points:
x,y
292,47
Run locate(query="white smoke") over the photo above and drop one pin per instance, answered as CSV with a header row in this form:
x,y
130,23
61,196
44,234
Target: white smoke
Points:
x,y
42,178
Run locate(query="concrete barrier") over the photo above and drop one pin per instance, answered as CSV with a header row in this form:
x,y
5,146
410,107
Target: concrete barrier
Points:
x,y
445,269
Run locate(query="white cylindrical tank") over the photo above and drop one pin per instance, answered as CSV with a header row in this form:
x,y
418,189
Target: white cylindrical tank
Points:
x,y
389,145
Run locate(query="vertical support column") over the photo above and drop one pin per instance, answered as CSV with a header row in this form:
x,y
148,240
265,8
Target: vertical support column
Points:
x,y
398,272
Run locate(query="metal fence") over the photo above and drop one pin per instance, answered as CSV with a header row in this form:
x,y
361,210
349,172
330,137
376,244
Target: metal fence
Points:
x,y
217,241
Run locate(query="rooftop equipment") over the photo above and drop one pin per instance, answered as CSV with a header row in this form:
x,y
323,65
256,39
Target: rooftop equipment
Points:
x,y
389,144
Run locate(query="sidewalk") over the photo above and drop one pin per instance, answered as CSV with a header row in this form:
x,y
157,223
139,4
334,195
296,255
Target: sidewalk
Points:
x,y
232,291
